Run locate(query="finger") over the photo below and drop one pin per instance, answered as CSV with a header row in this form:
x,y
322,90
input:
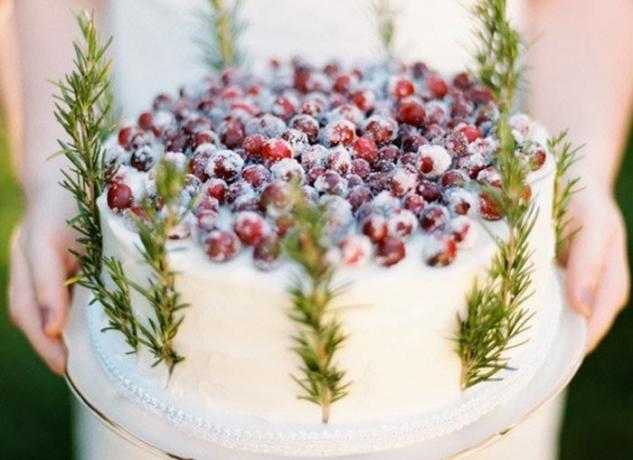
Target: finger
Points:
x,y
612,292
47,263
26,315
586,258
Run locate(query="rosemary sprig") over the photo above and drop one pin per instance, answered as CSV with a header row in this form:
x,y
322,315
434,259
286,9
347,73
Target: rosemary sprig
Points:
x,y
386,17
564,189
496,316
83,108
220,33
320,334
154,228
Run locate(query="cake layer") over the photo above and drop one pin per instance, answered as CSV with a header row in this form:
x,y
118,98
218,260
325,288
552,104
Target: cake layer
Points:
x,y
401,321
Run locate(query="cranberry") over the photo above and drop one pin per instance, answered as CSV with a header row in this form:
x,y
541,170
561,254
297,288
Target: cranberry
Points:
x,y
358,196
339,160
275,198
142,158
125,136
462,80
490,176
283,108
460,201
463,232
256,175
366,149
197,125
361,168
461,108
402,181
456,142
419,69
338,132
440,250
266,252
203,137
297,139
378,181
480,95
489,208
436,85
208,202
433,217
411,111
433,160
428,190
414,203
434,132
315,172
119,196
198,163
308,125
347,112
313,107
232,133
313,156
275,150
381,130
453,178
331,182
225,164
221,245
375,228
391,251
401,223
436,112
206,219
412,142
471,132
342,83
537,157
288,170
355,250
162,102
216,188
401,87
364,99
146,120
250,227
253,145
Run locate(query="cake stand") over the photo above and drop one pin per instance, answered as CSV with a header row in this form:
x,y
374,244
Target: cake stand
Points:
x,y
90,384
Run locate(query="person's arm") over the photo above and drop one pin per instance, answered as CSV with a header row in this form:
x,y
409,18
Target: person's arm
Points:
x,y
582,79
40,262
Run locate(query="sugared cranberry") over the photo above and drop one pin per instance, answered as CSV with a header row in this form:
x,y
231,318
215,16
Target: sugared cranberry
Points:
x,y
250,227
125,136
146,120
460,201
411,111
339,159
436,85
462,230
412,142
462,80
313,107
364,99
402,181
361,168
221,245
414,203
256,175
275,150
119,196
177,142
419,69
331,182
355,250
365,148
225,164
162,102
401,223
390,251
381,130
266,124
471,132
456,142
206,219
197,125
308,125
288,170
232,133
253,145
266,252
453,178
429,190
433,160
203,137
440,250
378,181
489,208
342,83
375,228
216,188
400,87
358,196
142,158
536,158
338,132
283,108
433,217
275,198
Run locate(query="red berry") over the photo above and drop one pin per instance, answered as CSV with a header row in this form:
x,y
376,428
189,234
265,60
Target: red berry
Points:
x,y
142,158
232,133
342,83
125,136
391,251
440,250
203,137
433,217
206,219
146,120
453,178
401,223
355,250
253,145
256,175
275,150
225,164
308,125
381,130
217,189
375,228
411,111
414,203
361,168
275,198
338,132
250,227
436,85
401,87
471,132
402,181
339,160
331,183
283,108
358,196
221,245
365,148
364,99
489,208
429,191
119,196
266,252
462,80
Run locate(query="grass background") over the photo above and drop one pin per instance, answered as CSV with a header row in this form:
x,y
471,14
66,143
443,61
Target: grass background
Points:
x,y
34,405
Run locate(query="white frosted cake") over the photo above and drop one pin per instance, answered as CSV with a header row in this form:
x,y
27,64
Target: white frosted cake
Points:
x,y
401,156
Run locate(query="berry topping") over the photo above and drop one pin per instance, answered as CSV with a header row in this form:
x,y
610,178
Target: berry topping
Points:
x,y
433,160
250,227
221,245
433,217
355,250
440,250
391,251
275,150
119,196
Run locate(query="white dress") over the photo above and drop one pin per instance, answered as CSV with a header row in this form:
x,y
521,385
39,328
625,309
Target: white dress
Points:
x,y
153,52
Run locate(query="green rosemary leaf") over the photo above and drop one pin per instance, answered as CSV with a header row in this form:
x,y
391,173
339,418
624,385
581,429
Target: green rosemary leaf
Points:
x,y
220,31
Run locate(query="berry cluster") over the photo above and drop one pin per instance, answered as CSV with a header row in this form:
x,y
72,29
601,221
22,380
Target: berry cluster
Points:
x,y
391,150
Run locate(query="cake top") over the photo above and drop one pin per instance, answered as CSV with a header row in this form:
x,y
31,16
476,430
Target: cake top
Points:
x,y
391,150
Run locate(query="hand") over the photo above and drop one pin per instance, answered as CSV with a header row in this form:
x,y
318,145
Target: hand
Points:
x,y
40,264
598,277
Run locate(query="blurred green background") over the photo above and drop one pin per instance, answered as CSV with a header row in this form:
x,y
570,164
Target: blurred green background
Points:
x,y
34,405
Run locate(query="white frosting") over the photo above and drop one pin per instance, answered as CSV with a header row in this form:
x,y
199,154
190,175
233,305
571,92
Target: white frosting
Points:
x,y
400,321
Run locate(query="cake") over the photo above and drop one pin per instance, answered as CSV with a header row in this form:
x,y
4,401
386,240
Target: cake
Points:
x,y
402,159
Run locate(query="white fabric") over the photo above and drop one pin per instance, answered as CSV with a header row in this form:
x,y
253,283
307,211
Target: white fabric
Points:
x,y
153,52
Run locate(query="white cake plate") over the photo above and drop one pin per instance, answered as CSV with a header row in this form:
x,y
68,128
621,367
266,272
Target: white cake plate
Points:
x,y
90,384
